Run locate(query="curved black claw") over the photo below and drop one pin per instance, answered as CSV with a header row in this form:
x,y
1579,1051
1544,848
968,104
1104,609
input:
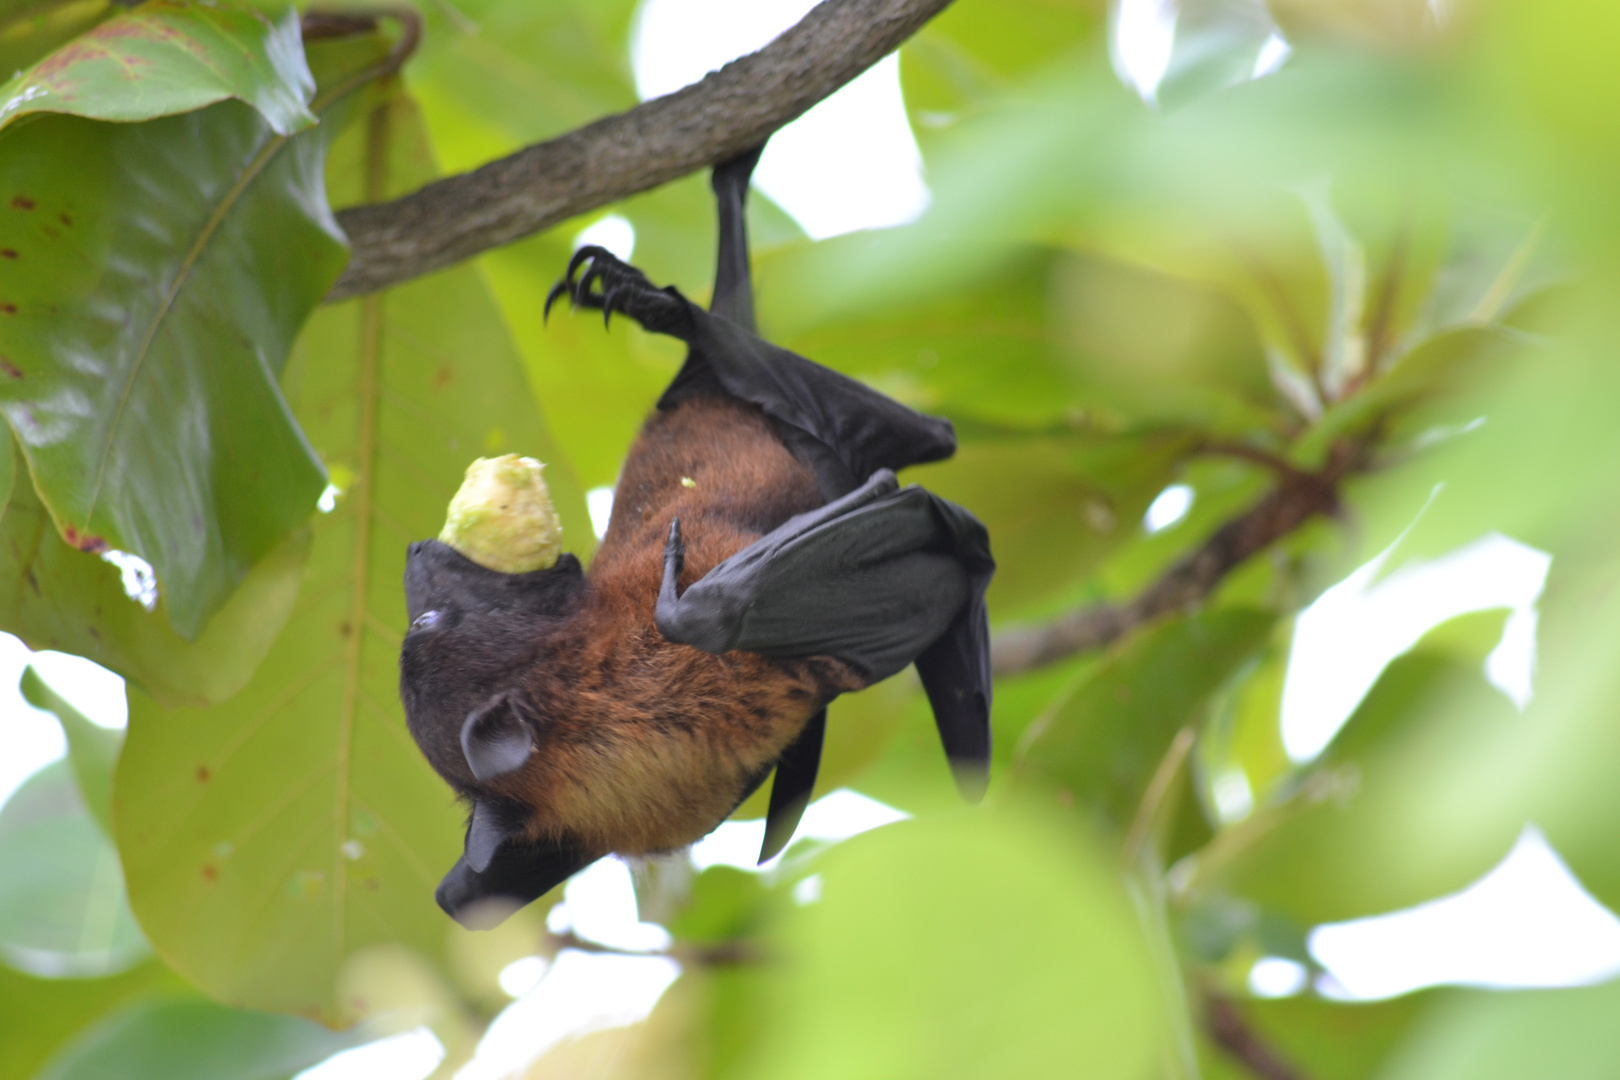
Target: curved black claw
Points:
x,y
609,284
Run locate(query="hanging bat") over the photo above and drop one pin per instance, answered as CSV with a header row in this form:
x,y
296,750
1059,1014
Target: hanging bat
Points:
x,y
761,559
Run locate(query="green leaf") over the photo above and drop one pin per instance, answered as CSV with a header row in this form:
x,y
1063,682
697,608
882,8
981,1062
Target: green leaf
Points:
x,y
270,839
195,1039
41,1015
62,906
1216,45
92,749
173,56
1330,1040
154,278
31,28
54,596
1385,827
1056,508
975,945
1477,1035
1105,744
725,905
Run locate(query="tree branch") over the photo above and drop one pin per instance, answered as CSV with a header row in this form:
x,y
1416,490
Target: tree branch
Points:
x,y
732,109
1229,1030
1298,497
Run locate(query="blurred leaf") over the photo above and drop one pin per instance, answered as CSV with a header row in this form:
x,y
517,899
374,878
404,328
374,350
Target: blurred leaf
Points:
x,y
1104,744
270,839
31,28
92,749
527,71
161,271
725,905
38,1016
1055,508
195,1039
62,906
173,56
982,944
1479,1035
54,596
1328,1040
968,55
1217,44
1369,839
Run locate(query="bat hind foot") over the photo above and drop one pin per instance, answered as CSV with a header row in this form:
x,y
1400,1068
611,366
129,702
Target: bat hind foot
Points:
x,y
608,284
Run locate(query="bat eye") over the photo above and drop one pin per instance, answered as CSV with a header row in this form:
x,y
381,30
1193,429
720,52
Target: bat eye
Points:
x,y
427,620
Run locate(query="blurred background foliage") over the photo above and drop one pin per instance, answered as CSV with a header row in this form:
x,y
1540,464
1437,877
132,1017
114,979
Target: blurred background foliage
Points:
x,y
1376,236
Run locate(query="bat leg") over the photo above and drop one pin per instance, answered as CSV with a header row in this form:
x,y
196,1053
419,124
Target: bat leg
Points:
x,y
733,291
795,780
609,284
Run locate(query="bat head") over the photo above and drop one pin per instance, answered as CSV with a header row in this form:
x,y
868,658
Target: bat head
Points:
x,y
473,632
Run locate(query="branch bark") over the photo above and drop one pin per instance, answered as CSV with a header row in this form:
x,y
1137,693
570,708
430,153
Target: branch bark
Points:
x,y
1298,497
732,109
1229,1030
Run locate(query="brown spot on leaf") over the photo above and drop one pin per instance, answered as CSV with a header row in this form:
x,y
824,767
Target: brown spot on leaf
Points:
x,y
49,232
373,884
66,219
208,871
9,309
11,370
442,377
345,628
9,253
203,775
90,542
22,202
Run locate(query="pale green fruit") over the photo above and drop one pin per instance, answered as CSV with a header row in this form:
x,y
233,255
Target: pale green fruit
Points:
x,y
502,517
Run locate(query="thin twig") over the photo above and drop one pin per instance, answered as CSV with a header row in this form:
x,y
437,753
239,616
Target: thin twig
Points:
x,y
1153,799
730,953
1229,1030
1297,498
732,109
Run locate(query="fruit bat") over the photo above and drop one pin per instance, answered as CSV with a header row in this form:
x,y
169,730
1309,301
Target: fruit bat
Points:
x,y
760,560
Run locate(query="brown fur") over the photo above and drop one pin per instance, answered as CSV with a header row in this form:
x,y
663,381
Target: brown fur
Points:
x,y
647,744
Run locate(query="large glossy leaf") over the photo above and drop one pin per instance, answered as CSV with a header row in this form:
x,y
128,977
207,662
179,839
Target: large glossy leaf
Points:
x,y
54,596
985,944
62,905
194,1038
270,839
154,278
173,56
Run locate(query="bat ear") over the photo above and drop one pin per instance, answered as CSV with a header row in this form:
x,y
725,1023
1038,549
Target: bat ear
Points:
x,y
495,739
496,876
485,835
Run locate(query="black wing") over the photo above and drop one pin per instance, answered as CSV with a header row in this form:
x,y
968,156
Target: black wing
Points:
x,y
879,578
795,780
